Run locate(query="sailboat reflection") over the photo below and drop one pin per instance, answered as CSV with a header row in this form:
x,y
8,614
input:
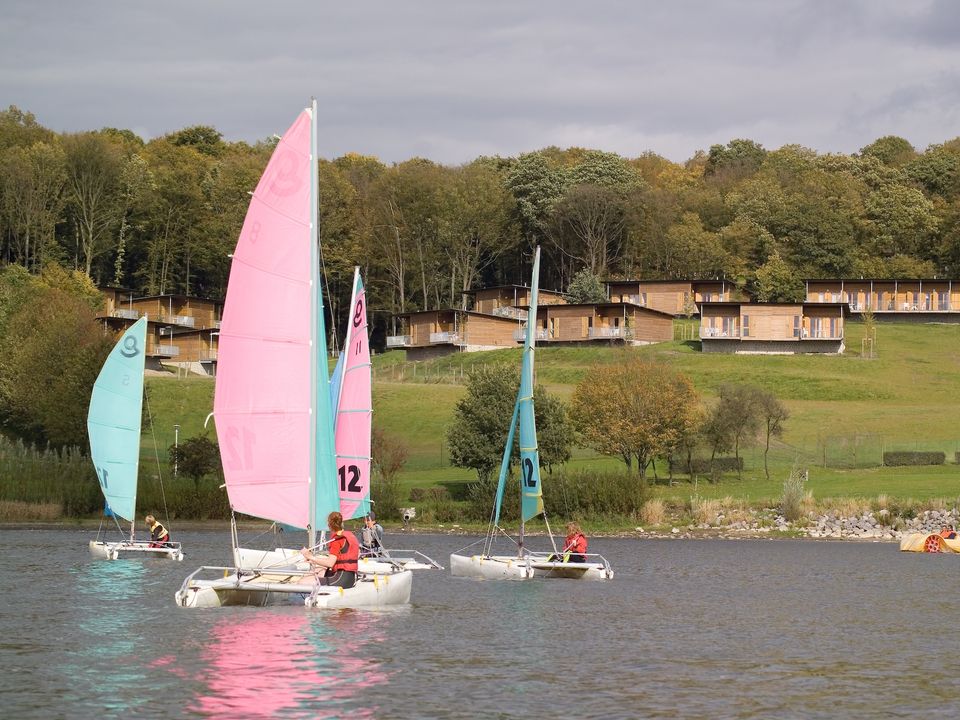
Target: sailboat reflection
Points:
x,y
290,663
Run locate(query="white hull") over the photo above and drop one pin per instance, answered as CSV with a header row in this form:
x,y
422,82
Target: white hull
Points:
x,y
506,567
127,549
278,588
249,559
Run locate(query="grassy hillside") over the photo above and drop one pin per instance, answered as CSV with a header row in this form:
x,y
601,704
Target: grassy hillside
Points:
x,y
845,410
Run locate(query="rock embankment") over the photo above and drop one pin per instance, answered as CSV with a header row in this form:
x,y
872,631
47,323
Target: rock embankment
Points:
x,y
869,525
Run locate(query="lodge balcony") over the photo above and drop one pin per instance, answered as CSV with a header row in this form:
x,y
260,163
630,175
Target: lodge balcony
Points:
x,y
609,333
166,351
719,332
445,337
398,341
125,313
521,334
509,311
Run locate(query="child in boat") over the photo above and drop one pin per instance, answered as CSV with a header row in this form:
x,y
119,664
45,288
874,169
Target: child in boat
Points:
x,y
575,544
159,537
371,537
339,566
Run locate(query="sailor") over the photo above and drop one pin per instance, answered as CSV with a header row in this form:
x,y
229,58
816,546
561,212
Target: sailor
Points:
x,y
575,544
159,536
339,564
371,537
948,533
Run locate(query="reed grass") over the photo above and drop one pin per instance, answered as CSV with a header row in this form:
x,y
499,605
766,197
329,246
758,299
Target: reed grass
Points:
x,y
653,511
18,511
792,500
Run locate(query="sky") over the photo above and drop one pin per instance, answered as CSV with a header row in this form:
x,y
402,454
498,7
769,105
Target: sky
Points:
x,y
451,81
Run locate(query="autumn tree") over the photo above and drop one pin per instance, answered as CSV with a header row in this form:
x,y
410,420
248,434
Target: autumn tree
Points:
x,y
636,410
773,414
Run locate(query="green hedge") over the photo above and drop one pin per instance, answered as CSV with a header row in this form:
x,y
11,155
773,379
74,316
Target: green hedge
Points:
x,y
704,466
896,459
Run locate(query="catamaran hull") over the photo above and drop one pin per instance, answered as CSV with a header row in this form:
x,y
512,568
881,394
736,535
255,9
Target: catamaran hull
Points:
x,y
929,542
116,550
504,567
370,592
249,559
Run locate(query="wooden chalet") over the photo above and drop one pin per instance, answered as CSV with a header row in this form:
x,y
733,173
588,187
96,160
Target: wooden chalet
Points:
x,y
506,300
677,297
772,328
433,333
181,329
917,300
601,322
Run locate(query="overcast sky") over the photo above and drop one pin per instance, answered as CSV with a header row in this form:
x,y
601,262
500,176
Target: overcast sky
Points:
x,y
453,80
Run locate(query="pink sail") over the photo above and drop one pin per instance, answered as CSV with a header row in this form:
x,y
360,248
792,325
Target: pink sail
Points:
x,y
263,387
354,412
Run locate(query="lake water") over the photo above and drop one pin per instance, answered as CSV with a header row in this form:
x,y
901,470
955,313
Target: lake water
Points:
x,y
711,628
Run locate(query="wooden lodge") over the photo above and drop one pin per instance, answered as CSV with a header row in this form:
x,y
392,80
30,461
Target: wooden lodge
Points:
x,y
433,333
505,300
772,328
601,322
677,297
902,300
181,329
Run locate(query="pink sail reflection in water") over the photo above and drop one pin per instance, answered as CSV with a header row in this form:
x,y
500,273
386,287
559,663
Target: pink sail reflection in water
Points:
x,y
289,665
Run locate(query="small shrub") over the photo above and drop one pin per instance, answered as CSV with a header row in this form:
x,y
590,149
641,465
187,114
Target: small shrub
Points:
x,y
704,466
791,503
653,512
704,511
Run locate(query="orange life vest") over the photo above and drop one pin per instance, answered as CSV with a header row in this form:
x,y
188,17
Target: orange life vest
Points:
x,y
347,550
576,543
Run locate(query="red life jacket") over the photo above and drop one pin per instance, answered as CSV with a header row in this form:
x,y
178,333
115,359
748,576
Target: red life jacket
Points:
x,y
576,543
347,550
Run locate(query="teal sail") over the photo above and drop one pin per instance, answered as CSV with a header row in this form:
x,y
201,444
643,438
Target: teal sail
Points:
x,y
505,465
114,418
324,497
531,494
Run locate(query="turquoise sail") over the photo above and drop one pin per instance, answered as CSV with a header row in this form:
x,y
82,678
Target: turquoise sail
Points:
x,y
531,494
114,418
505,464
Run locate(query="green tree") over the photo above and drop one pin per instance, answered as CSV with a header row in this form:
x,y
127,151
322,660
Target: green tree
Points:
x,y
196,458
778,282
890,150
586,288
482,419
773,414
736,418
50,335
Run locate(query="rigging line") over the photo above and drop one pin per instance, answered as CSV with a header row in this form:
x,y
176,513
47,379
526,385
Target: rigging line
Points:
x,y
156,454
549,532
326,285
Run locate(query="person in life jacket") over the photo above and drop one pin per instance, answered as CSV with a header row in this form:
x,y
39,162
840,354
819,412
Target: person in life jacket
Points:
x,y
371,537
575,544
948,533
339,564
159,536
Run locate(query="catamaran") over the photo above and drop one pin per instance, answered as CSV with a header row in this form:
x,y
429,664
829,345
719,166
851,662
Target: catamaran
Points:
x,y
524,563
113,425
272,403
352,402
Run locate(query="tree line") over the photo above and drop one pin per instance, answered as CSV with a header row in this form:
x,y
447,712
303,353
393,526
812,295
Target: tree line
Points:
x,y
163,215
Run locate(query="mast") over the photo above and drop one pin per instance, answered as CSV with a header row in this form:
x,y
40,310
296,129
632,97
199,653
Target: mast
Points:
x,y
316,310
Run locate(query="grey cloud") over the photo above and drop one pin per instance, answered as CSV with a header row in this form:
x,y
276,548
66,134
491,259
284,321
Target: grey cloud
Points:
x,y
452,80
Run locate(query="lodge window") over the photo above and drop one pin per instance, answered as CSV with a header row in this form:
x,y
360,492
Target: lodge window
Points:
x,y
796,326
746,326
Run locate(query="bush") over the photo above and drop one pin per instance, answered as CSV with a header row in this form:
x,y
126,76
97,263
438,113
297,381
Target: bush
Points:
x,y
579,493
898,458
704,466
792,501
653,512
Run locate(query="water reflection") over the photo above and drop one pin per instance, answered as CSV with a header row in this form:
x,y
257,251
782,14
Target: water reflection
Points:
x,y
108,643
290,662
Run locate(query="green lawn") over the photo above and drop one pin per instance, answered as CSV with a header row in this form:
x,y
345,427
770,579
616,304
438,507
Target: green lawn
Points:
x,y
902,399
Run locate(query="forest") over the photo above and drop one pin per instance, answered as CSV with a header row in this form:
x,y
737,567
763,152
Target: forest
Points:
x,y
162,216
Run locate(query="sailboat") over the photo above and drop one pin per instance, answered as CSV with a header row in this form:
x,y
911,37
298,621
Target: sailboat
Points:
x,y
272,404
113,425
525,564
